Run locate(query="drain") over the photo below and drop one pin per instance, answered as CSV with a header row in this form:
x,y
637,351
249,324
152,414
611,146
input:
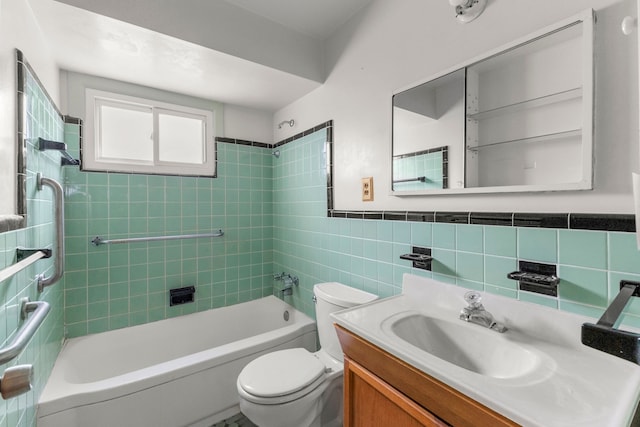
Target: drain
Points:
x,y
286,315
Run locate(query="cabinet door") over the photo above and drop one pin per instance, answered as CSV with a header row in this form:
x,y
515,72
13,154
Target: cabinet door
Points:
x,y
371,402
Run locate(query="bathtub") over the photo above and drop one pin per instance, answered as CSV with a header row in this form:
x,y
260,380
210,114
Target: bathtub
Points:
x,y
174,372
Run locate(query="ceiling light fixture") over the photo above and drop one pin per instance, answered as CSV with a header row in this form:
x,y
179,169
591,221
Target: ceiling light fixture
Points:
x,y
468,10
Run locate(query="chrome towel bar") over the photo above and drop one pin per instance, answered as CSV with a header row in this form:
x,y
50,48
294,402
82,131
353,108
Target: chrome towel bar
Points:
x,y
40,309
97,241
22,264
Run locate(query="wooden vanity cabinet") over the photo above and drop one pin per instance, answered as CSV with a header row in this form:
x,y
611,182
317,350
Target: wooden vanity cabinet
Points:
x,y
382,390
369,402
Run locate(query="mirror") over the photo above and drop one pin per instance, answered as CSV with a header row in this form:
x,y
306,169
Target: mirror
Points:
x,y
13,169
516,119
19,220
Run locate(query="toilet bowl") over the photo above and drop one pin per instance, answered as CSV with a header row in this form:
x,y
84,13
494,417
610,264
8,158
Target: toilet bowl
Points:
x,y
297,388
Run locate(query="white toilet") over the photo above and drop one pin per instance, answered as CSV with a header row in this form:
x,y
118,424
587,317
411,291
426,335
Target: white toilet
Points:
x,y
296,388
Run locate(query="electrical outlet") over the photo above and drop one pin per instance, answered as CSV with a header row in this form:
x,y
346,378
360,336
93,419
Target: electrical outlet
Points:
x,y
367,189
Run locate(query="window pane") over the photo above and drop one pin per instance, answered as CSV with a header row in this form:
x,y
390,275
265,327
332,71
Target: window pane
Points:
x,y
180,139
126,134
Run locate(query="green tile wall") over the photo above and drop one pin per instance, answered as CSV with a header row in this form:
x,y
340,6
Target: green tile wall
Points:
x,y
273,213
114,286
365,253
42,120
429,165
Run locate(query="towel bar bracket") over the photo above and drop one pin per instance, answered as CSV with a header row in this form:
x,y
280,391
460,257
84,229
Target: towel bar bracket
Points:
x,y
66,159
22,253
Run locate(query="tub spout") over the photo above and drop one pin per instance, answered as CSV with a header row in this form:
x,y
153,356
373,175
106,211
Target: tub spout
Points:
x,y
286,291
289,282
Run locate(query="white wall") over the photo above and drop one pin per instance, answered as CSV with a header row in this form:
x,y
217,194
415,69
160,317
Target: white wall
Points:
x,y
237,122
394,43
18,29
248,123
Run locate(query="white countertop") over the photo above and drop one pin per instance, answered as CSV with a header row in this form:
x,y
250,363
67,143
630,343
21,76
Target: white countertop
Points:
x,y
570,385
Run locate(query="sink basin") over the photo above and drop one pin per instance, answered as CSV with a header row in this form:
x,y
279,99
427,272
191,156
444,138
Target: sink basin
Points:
x,y
468,346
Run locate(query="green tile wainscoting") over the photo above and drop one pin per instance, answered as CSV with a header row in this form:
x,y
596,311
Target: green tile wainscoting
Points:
x,y
42,120
113,286
364,253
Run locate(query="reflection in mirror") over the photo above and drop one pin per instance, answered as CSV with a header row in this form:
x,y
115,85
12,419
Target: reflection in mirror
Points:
x,y
518,119
427,133
420,170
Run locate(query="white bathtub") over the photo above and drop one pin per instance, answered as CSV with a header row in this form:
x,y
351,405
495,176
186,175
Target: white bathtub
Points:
x,y
175,372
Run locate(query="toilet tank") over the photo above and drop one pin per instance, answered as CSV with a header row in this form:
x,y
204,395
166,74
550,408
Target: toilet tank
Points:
x,y
331,297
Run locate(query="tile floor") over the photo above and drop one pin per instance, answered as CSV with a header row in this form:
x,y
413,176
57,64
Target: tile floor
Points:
x,y
238,420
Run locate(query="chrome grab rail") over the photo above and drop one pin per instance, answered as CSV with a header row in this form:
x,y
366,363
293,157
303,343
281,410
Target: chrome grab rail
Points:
x,y
19,266
40,309
97,241
58,195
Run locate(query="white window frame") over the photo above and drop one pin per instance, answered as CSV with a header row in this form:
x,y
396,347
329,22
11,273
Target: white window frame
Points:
x,y
92,160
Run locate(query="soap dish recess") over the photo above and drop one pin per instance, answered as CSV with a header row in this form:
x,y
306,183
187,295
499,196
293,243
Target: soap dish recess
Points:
x,y
421,257
536,277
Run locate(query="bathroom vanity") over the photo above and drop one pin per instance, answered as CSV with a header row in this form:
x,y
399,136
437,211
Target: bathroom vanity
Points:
x,y
410,360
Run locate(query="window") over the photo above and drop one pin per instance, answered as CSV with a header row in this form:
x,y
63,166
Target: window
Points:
x,y
135,135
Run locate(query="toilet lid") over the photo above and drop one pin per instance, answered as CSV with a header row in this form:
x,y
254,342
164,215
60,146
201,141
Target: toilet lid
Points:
x,y
280,373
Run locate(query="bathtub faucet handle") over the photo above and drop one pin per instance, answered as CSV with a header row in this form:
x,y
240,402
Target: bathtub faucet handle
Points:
x,y
287,278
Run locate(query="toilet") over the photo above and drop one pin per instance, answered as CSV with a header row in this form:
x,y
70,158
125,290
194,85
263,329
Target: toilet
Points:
x,y
297,388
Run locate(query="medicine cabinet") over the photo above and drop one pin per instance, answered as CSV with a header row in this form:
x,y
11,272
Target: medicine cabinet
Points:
x,y
519,118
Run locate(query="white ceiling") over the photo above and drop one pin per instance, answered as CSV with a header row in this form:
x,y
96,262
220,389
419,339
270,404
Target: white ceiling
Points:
x,y
316,18
262,54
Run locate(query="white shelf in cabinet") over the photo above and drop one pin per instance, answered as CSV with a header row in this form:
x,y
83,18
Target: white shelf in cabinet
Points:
x,y
566,95
531,139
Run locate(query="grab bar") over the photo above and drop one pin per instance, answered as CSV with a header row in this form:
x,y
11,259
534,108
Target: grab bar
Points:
x,y
23,262
58,196
40,309
97,241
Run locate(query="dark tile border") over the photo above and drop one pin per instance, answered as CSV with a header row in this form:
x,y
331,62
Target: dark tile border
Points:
x,y
491,218
610,222
541,220
243,142
453,217
571,221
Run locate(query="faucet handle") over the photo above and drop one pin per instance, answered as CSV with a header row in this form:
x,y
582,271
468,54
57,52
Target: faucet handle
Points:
x,y
473,298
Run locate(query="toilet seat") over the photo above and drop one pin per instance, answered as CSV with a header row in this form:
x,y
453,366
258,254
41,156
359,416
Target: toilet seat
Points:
x,y
281,376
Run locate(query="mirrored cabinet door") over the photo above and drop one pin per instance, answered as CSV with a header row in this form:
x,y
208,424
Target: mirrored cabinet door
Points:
x,y
426,132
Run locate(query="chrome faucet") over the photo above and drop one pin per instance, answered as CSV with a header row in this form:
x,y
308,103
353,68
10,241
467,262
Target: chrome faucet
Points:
x,y
289,281
475,313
